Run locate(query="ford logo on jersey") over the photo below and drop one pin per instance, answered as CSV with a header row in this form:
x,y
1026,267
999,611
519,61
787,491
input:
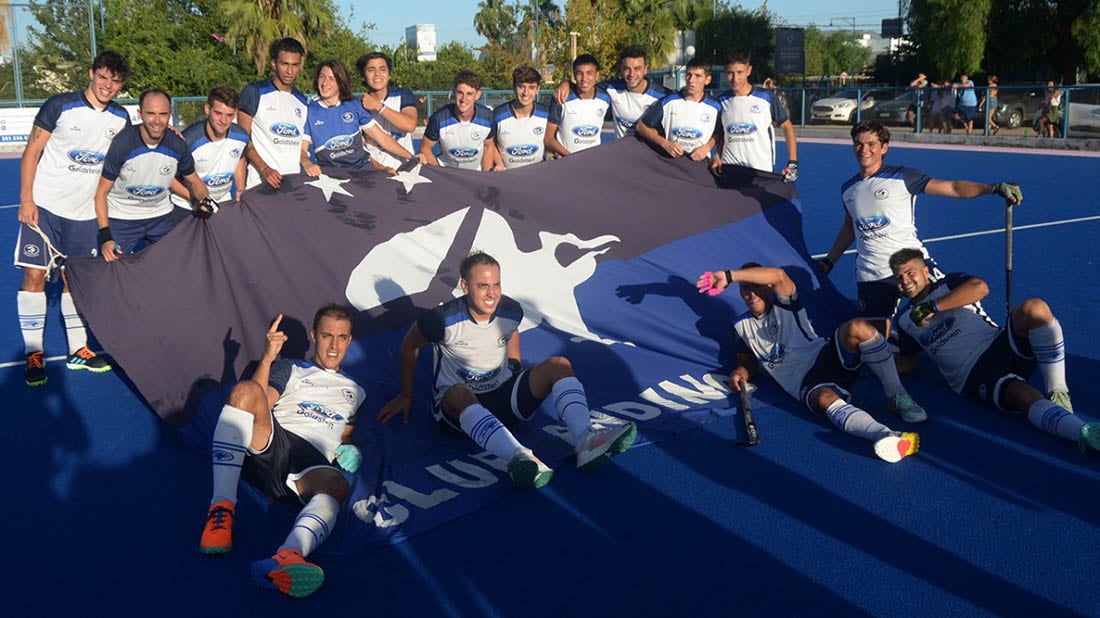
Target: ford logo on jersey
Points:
x,y
740,128
463,153
524,150
870,224
586,130
475,376
144,191
218,180
937,331
86,157
284,129
686,133
340,141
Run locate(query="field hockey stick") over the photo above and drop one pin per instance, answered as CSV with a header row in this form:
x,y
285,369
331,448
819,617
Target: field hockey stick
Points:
x,y
1008,261
750,422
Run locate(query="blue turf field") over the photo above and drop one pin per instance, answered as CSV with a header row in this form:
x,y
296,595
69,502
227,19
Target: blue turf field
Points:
x,y
992,517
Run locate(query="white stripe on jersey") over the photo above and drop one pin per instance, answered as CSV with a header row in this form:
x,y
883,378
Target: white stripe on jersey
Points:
x,y
397,98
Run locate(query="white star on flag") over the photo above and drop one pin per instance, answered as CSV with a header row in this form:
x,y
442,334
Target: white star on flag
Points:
x,y
330,185
410,178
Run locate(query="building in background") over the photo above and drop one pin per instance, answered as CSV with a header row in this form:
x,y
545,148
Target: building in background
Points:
x,y
421,38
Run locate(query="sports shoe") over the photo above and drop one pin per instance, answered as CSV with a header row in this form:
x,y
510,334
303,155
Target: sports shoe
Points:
x,y
602,444
289,573
527,471
1090,437
86,359
903,405
35,375
897,446
217,535
1061,398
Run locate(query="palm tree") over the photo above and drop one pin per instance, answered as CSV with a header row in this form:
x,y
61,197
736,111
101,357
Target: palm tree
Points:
x,y
495,20
256,23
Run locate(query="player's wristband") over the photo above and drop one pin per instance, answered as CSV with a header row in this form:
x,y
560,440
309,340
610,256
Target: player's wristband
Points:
x,y
828,262
264,170
105,235
729,278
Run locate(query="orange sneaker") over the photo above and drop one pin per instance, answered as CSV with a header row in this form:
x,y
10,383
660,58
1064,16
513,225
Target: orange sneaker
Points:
x,y
217,536
288,572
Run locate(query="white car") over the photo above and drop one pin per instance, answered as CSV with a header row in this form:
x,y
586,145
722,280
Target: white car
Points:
x,y
1084,110
841,107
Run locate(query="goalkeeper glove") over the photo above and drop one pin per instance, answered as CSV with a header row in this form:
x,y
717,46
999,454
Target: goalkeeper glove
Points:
x,y
919,313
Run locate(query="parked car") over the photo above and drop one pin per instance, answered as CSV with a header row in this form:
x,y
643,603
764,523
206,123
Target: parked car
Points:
x,y
900,110
1084,109
841,106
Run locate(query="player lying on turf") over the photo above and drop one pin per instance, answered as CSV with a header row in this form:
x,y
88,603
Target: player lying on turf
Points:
x,y
776,334
979,358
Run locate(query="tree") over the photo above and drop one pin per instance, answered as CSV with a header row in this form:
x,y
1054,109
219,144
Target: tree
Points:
x,y
601,31
496,21
256,23
733,28
950,34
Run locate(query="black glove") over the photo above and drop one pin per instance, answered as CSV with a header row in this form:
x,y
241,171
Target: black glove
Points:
x,y
920,312
204,208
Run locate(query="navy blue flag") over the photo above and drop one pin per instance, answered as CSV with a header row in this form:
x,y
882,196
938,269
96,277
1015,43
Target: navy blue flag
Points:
x,y
602,249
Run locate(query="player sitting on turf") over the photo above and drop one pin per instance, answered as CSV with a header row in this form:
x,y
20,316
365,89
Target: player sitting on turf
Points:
x,y
979,358
776,334
286,430
481,388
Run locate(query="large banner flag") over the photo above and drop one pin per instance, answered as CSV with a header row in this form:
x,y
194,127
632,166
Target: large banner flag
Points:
x,y
602,248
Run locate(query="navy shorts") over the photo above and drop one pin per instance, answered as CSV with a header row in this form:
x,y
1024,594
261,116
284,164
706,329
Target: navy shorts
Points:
x,y
1008,357
510,402
286,455
132,235
967,112
878,300
834,368
72,238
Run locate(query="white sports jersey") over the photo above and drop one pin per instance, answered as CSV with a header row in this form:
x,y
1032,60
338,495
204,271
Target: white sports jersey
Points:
x,y
627,107
882,210
469,352
580,121
278,119
954,338
215,160
461,144
520,140
67,174
687,123
143,174
398,98
314,403
782,340
747,128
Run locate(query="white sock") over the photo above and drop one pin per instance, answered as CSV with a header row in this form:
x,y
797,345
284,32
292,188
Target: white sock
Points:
x,y
1055,419
31,307
313,525
74,323
1050,351
232,435
489,433
854,421
875,352
572,406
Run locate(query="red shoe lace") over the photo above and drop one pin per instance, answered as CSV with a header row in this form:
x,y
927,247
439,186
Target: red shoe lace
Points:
x,y
34,360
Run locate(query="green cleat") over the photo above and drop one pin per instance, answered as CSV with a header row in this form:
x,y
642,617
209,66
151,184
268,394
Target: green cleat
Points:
x,y
600,445
903,405
527,471
1090,438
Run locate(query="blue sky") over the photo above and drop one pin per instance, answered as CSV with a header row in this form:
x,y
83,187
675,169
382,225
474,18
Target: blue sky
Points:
x,y
454,19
